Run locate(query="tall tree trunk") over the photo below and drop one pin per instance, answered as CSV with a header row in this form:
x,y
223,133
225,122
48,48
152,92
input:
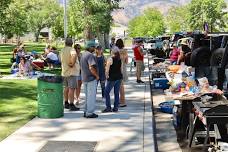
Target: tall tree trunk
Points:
x,y
37,34
88,34
18,39
100,37
106,40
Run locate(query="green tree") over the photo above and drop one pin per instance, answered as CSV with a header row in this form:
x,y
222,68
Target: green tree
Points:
x,y
41,14
57,27
178,19
3,6
149,24
15,21
209,11
91,17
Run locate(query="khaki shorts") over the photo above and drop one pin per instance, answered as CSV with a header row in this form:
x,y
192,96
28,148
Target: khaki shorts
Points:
x,y
139,66
70,82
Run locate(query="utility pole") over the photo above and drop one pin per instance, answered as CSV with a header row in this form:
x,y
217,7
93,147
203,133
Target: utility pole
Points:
x,y
65,19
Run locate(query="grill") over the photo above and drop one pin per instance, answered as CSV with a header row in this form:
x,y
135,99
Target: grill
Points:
x,y
212,116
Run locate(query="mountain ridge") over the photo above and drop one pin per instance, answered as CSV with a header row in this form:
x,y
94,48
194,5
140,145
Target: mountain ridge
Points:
x,y
132,8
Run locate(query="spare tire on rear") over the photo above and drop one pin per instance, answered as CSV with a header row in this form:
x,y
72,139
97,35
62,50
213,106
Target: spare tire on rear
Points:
x,y
200,57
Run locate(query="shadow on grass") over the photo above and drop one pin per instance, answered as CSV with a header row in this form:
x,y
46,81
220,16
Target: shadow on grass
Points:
x,y
12,90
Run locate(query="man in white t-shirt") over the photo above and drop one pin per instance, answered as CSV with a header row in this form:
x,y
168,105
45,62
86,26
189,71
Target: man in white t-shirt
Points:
x,y
52,59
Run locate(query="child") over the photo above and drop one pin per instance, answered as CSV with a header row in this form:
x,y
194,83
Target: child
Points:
x,y
25,67
101,61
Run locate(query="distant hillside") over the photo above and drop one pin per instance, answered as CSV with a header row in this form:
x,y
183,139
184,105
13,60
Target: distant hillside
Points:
x,y
132,8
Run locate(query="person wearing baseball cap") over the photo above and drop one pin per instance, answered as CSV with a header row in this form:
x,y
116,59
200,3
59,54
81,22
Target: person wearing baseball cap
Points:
x,y
89,71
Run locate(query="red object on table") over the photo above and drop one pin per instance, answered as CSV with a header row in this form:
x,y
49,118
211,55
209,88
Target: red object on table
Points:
x,y
39,63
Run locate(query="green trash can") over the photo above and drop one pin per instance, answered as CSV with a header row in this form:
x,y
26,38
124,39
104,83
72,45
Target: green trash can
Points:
x,y
50,97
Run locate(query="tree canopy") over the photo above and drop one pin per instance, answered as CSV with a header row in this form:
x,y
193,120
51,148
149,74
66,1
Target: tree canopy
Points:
x,y
150,24
178,18
209,11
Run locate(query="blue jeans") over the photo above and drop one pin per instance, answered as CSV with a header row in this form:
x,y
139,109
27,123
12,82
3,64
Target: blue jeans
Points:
x,y
108,88
90,96
102,83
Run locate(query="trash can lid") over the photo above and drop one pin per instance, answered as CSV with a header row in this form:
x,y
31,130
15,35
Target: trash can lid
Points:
x,y
51,79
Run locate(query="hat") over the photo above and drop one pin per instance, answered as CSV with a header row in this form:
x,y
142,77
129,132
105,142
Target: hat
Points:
x,y
99,47
90,43
139,40
184,42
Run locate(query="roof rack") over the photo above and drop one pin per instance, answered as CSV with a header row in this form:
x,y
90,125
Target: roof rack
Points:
x,y
218,34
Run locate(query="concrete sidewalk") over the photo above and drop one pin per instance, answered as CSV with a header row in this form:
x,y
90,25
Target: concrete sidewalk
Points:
x,y
129,130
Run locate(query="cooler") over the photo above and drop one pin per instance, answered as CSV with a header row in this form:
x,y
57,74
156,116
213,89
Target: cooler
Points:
x,y
160,83
39,63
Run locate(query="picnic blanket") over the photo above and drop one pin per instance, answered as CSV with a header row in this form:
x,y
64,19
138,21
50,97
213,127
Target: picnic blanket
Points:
x,y
36,75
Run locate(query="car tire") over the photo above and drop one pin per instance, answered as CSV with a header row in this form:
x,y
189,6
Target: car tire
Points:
x,y
200,57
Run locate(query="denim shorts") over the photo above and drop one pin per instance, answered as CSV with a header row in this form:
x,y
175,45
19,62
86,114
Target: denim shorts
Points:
x,y
79,77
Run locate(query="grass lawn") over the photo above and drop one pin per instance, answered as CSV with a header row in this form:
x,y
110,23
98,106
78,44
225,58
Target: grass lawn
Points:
x,y
6,54
18,98
17,104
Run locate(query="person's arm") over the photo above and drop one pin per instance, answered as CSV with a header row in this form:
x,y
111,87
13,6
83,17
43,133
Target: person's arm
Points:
x,y
141,51
20,70
126,57
180,57
73,58
92,67
108,64
94,72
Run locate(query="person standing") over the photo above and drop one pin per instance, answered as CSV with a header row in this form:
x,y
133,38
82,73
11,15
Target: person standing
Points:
x,y
77,48
174,54
139,56
90,76
185,53
112,44
124,62
114,77
70,71
101,61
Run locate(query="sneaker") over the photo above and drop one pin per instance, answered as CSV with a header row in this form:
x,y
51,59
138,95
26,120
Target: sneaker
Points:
x,y
72,107
115,110
66,105
106,110
141,81
92,116
122,105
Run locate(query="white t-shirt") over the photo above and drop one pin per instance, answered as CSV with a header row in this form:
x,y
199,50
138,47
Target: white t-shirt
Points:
x,y
52,56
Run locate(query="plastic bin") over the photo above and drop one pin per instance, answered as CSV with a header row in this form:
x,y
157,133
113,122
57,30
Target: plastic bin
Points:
x,y
50,97
167,106
160,83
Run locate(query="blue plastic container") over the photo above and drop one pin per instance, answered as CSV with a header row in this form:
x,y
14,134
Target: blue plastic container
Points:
x,y
160,83
166,107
